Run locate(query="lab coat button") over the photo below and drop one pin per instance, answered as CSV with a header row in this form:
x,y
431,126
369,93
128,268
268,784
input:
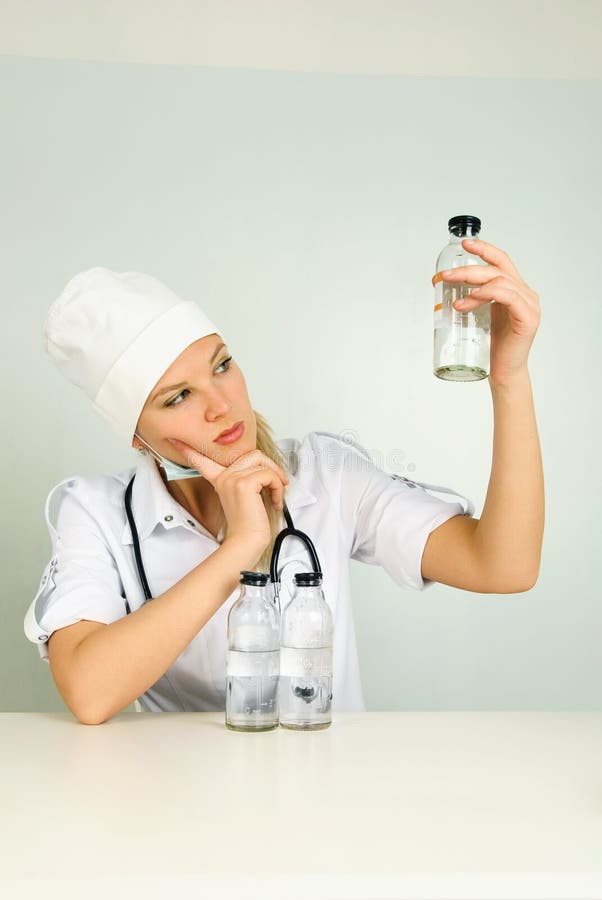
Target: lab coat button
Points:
x,y
190,522
168,518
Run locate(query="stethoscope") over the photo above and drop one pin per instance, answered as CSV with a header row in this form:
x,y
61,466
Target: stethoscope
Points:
x,y
289,531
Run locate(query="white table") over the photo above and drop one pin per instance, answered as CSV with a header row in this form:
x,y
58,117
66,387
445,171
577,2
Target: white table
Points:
x,y
379,805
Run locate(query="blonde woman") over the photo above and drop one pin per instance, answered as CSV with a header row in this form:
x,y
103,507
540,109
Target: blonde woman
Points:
x,y
136,609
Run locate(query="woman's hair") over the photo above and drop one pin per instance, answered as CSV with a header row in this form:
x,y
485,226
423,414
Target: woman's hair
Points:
x,y
267,445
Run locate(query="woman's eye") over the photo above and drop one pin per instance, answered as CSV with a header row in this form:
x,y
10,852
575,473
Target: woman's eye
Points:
x,y
181,394
176,401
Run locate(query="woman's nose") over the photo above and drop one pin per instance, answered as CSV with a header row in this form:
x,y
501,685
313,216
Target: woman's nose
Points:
x,y
217,406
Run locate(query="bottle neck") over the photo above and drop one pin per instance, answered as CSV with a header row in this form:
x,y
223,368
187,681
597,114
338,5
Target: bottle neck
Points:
x,y
253,591
309,590
469,231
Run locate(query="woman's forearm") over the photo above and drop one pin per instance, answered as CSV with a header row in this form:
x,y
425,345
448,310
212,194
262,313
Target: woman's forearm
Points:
x,y
509,534
117,663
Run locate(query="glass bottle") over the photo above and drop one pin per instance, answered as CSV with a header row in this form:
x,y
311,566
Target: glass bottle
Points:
x,y
461,339
253,655
306,638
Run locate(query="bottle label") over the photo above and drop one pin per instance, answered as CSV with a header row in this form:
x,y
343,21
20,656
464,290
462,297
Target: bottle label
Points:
x,y
252,663
305,662
438,317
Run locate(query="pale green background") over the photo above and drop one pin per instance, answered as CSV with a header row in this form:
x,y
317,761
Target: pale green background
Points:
x,y
304,212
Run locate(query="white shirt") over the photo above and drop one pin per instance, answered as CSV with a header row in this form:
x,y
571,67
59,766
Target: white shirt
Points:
x,y
351,506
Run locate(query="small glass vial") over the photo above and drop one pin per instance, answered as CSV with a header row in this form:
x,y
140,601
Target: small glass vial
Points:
x,y
306,638
253,656
461,339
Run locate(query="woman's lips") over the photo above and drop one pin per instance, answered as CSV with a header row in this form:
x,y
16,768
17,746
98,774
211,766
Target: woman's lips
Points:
x,y
230,436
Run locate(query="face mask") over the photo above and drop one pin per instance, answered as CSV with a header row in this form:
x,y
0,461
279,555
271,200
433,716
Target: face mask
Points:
x,y
172,470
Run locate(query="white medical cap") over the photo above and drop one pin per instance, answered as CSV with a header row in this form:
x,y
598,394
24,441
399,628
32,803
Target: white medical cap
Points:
x,y
114,334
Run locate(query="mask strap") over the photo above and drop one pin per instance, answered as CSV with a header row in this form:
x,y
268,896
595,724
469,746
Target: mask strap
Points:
x,y
168,465
153,452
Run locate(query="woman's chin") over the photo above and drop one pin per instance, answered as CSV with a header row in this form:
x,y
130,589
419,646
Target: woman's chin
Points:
x,y
231,454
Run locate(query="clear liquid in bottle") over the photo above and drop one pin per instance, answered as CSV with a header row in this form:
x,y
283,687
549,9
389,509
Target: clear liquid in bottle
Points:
x,y
253,657
306,645
461,344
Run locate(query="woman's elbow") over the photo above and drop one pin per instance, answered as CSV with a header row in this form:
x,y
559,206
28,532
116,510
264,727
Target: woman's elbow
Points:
x,y
89,716
514,585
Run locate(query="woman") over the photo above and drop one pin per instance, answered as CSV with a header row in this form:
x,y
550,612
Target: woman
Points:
x,y
206,506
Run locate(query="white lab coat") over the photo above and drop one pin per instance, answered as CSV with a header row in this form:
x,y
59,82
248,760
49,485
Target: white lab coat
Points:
x,y
349,505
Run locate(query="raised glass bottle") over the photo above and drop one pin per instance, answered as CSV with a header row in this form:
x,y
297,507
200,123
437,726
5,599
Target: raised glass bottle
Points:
x,y
253,654
306,638
461,339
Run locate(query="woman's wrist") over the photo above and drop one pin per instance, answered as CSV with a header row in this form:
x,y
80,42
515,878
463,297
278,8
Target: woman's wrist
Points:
x,y
243,553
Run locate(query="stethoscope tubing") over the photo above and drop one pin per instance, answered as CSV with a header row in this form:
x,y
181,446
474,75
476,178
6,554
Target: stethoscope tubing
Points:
x,y
289,531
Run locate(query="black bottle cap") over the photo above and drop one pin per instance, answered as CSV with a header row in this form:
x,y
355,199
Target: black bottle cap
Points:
x,y
257,579
308,579
459,225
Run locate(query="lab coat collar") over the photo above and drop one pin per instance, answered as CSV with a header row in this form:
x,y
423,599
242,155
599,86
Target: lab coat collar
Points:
x,y
152,504
151,501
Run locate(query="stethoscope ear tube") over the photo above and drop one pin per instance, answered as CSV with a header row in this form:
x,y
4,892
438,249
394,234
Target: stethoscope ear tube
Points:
x,y
135,541
290,530
274,574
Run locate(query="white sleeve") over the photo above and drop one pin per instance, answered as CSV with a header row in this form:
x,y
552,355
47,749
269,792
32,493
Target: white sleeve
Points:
x,y
81,580
388,516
